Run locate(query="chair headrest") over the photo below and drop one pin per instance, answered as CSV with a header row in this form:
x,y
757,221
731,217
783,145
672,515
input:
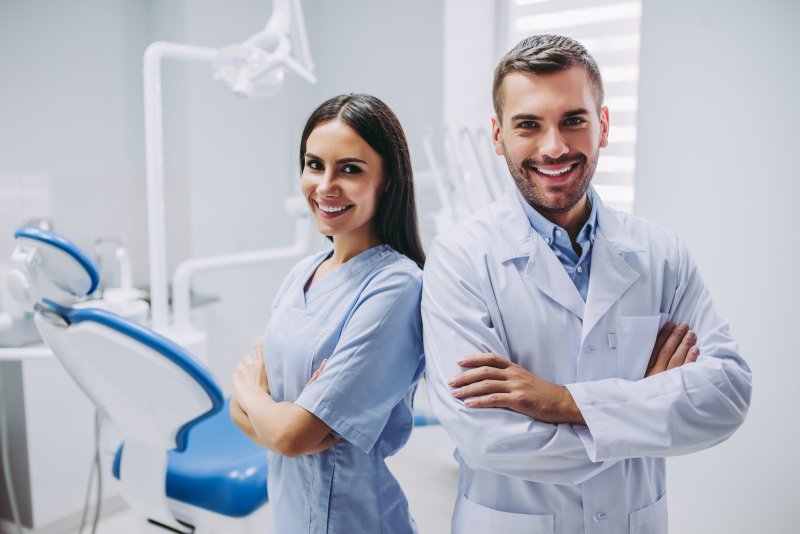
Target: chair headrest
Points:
x,y
50,267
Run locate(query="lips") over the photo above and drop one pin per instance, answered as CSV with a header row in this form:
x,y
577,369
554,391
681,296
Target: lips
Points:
x,y
555,173
331,211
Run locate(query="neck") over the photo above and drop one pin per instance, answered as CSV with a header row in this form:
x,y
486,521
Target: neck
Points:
x,y
571,220
348,246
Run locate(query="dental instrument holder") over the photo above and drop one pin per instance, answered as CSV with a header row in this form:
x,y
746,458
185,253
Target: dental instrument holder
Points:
x,y
119,364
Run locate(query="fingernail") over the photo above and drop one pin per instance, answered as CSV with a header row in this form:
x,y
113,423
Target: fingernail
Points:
x,y
469,402
451,382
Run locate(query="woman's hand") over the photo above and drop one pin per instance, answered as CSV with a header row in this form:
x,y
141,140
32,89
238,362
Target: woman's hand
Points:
x,y
250,378
317,372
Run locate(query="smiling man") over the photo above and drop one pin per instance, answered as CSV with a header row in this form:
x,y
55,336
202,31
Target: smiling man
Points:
x,y
557,331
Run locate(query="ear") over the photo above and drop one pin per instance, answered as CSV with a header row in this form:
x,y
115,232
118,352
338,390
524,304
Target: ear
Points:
x,y
497,138
604,127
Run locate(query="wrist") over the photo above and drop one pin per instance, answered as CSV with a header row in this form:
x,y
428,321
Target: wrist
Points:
x,y
569,408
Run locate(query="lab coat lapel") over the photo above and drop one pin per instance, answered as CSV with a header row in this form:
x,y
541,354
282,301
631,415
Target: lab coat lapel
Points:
x,y
546,271
517,240
611,275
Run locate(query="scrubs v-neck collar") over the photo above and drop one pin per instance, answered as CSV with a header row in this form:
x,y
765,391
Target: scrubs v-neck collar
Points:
x,y
344,272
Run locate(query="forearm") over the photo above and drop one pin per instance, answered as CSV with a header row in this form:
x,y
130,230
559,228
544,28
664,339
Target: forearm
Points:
x,y
284,427
676,412
241,420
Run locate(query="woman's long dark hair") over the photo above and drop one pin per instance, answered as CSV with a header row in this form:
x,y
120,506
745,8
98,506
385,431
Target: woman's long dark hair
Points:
x,y
396,214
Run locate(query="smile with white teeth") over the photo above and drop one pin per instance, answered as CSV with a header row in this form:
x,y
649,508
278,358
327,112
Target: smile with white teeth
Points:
x,y
331,209
558,172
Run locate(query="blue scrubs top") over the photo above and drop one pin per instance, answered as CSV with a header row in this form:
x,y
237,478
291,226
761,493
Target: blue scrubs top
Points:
x,y
364,316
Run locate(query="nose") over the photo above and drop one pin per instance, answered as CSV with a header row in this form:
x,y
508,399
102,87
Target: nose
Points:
x,y
553,144
326,187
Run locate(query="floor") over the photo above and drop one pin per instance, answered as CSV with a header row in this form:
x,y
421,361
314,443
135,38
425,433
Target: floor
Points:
x,y
424,468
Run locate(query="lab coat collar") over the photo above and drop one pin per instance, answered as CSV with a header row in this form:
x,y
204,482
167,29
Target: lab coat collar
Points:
x,y
517,236
514,230
519,240
611,275
610,225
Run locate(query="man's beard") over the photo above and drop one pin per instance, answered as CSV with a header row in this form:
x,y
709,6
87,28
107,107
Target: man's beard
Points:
x,y
537,197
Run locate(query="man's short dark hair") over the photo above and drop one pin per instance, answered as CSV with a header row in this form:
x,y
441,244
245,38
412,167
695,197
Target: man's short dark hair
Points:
x,y
544,54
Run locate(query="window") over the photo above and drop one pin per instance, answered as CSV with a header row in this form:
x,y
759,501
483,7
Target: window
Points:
x,y
610,31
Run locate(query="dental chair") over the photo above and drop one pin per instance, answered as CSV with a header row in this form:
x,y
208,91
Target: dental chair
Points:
x,y
183,465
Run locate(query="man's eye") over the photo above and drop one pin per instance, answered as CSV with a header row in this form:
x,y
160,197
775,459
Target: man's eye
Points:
x,y
351,169
527,125
574,121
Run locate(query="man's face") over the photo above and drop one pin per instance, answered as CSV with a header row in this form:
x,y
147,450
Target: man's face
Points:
x,y
551,135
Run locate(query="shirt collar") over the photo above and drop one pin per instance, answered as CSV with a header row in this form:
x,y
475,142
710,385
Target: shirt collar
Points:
x,y
518,239
547,229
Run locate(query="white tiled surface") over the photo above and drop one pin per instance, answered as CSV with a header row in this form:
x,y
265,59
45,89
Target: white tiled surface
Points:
x,y
424,468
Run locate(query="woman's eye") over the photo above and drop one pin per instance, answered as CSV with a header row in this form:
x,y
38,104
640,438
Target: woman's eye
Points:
x,y
351,169
314,164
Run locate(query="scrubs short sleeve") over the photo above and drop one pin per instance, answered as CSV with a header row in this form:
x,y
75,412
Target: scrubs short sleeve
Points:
x,y
377,356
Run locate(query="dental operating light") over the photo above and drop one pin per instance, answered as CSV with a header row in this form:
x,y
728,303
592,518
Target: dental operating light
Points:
x,y
256,67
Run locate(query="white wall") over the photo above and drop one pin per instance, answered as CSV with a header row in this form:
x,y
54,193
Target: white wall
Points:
x,y
471,51
71,109
716,160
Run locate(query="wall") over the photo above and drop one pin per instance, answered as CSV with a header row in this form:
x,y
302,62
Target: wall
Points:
x,y
71,110
715,161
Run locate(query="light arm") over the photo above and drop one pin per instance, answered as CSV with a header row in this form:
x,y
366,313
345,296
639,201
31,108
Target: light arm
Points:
x,y
679,411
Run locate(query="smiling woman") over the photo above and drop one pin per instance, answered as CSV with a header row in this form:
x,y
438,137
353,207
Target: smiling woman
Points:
x,y
342,180
329,389
351,131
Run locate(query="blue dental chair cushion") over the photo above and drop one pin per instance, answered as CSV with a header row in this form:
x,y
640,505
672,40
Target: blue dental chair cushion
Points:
x,y
221,470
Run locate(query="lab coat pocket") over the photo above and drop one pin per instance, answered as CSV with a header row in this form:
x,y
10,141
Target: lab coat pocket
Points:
x,y
635,338
652,519
472,518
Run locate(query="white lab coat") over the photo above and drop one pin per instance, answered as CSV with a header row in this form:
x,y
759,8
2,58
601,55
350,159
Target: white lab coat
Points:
x,y
491,284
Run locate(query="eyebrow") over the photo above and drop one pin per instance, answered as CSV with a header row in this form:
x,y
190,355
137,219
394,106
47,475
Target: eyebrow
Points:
x,y
530,117
578,111
338,161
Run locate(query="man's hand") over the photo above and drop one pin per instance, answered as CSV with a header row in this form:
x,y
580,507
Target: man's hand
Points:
x,y
674,347
495,382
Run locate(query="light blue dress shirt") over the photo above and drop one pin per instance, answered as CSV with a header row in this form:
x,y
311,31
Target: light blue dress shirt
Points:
x,y
577,267
364,317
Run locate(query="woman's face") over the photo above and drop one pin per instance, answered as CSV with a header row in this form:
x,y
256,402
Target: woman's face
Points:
x,y
342,181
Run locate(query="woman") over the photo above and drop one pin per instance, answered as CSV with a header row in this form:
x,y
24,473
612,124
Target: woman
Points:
x,y
351,313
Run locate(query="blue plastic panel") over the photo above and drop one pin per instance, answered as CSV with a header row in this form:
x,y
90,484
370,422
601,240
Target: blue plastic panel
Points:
x,y
221,470
62,243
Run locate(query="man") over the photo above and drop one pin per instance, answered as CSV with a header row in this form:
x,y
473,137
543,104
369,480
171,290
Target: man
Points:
x,y
559,355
